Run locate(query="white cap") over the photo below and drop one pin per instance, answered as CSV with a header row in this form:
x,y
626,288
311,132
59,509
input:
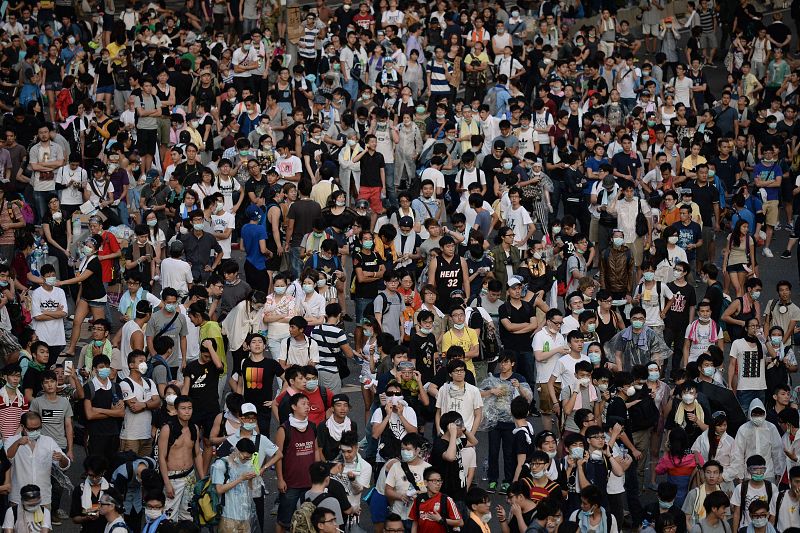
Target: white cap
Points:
x,y
248,408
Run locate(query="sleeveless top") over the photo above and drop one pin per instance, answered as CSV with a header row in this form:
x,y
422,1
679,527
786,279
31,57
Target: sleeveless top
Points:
x,y
298,456
449,278
605,330
736,331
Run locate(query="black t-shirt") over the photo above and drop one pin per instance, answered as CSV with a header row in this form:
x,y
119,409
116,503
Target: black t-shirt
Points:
x,y
76,509
450,470
103,399
617,408
371,165
684,299
522,442
313,150
33,381
256,187
203,379
258,378
706,197
779,31
93,288
520,342
367,263
422,350
186,174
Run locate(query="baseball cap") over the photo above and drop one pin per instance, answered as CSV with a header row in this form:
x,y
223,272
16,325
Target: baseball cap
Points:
x,y
319,99
341,397
248,408
513,281
405,222
253,212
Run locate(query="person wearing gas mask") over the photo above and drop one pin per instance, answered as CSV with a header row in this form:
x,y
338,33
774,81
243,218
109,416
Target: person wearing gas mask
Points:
x,y
31,517
758,438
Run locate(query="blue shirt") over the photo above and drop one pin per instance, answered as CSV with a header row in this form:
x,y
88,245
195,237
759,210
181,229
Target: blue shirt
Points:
x,y
769,173
748,217
251,235
238,500
688,235
502,96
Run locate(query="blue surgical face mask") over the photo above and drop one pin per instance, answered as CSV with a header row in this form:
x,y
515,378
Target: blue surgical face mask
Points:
x,y
637,324
760,522
649,276
312,384
708,371
367,245
152,223
653,376
3,284
308,288
367,332
170,308
594,357
249,426
280,290
664,505
425,331
51,280
757,477
99,343
34,434
407,455
104,372
198,227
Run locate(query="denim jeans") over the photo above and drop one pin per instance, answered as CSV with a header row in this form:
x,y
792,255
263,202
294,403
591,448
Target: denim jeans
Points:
x,y
351,86
745,397
361,304
294,260
391,189
122,207
40,199
502,437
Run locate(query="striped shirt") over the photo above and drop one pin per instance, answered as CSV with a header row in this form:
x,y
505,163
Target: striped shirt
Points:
x,y
330,339
707,20
439,76
306,47
11,409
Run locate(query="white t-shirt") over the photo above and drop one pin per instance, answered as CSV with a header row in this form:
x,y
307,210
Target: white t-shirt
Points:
x,y
43,301
518,220
136,426
564,370
752,495
227,188
653,301
288,167
703,334
71,195
176,273
465,178
544,342
95,188
396,478
752,371
299,353
435,176
219,223
395,424
8,520
464,401
683,90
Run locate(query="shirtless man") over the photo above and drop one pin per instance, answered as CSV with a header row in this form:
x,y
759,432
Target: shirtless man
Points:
x,y
180,461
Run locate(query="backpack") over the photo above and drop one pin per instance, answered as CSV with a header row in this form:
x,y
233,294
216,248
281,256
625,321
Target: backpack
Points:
x,y
315,259
369,310
490,344
153,362
207,504
301,518
491,99
746,485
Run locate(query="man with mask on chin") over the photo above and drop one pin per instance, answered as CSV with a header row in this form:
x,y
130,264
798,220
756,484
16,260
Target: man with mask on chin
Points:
x,y
27,452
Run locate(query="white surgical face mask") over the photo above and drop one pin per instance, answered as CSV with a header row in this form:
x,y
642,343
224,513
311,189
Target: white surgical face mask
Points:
x,y
142,367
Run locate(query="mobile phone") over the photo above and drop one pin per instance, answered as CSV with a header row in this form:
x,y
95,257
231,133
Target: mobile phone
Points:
x,y
68,368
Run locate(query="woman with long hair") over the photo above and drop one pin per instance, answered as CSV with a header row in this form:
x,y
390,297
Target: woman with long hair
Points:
x,y
368,354
738,257
715,443
679,463
279,308
276,235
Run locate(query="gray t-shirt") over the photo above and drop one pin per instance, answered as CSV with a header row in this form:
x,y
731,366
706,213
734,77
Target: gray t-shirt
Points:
x,y
390,320
53,415
329,503
148,102
719,527
175,331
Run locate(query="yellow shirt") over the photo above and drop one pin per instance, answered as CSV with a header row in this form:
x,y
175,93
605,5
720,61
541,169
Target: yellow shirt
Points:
x,y
468,340
114,50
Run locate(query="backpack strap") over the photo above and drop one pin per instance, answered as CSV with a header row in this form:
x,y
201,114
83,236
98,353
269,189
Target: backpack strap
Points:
x,y
781,495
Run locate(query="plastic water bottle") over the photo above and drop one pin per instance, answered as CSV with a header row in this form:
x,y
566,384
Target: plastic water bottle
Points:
x,y
485,475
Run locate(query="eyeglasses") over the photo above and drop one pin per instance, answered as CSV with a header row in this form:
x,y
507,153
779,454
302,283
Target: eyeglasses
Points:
x,y
437,481
556,323
752,516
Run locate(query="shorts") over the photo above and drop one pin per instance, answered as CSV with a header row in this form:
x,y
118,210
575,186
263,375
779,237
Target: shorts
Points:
x,y
52,86
735,268
708,40
545,403
205,421
146,141
771,213
637,250
373,195
650,29
287,505
163,130
95,303
108,22
787,188
105,89
378,507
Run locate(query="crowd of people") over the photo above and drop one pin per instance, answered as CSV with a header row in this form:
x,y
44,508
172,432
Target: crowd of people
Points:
x,y
501,222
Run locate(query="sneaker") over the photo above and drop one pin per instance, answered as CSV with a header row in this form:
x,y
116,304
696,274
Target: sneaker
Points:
x,y
492,487
274,510
55,520
504,488
62,514
535,412
767,252
788,227
786,254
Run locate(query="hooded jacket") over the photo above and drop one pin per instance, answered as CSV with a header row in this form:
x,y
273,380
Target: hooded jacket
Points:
x,y
761,440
